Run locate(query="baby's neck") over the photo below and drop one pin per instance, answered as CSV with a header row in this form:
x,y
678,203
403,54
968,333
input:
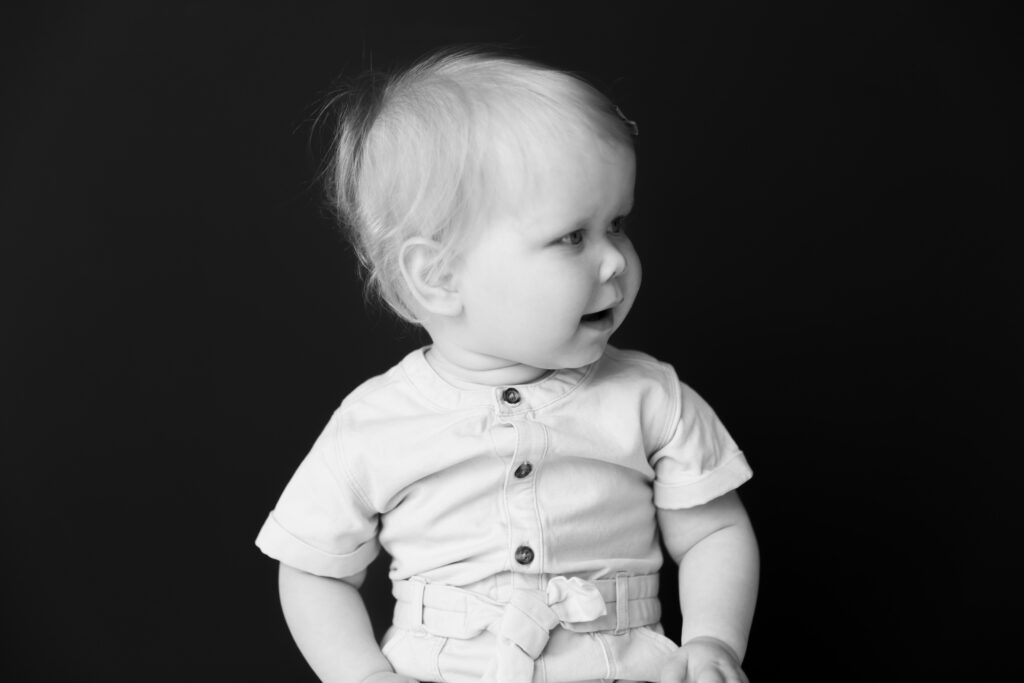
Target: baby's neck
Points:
x,y
471,372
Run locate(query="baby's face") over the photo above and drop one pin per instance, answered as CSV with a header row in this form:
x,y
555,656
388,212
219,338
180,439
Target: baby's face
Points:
x,y
547,282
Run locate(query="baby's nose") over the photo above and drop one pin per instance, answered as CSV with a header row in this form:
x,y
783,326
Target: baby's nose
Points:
x,y
613,262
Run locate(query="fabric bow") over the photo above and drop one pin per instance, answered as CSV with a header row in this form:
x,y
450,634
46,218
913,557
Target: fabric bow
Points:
x,y
526,622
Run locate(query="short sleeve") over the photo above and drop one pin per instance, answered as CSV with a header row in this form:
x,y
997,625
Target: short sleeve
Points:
x,y
700,461
321,524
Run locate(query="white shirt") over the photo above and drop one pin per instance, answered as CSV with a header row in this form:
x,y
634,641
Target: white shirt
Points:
x,y
496,488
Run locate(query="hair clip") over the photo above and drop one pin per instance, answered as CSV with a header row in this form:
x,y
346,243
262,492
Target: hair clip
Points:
x,y
632,124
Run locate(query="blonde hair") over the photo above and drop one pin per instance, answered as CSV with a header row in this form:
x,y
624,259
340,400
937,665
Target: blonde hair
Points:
x,y
430,150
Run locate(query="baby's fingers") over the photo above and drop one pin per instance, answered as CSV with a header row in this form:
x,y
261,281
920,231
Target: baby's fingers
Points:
x,y
695,667
674,670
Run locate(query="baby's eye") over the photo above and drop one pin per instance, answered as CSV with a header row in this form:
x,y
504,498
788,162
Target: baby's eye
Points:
x,y
573,238
619,224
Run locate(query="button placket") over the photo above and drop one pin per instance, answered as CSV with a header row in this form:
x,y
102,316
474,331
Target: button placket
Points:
x,y
526,535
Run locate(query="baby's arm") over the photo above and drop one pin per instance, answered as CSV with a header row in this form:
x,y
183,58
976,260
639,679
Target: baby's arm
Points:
x,y
330,625
716,551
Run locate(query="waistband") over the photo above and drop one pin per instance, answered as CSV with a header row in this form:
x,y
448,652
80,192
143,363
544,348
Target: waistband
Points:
x,y
630,601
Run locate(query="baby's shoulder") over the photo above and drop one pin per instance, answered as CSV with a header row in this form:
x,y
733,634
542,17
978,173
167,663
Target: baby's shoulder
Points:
x,y
373,416
634,382
638,377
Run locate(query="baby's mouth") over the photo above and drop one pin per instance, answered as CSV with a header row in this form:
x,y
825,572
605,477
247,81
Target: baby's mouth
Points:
x,y
598,316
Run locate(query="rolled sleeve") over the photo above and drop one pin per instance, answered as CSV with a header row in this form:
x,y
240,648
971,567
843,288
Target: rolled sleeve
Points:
x,y
700,461
321,524
282,545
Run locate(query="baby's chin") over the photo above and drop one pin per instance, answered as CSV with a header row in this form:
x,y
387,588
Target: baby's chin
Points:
x,y
583,348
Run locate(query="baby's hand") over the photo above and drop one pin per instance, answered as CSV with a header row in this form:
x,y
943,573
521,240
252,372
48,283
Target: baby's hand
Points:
x,y
388,677
704,660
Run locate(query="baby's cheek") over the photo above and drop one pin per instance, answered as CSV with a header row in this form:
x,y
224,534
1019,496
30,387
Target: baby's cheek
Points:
x,y
552,296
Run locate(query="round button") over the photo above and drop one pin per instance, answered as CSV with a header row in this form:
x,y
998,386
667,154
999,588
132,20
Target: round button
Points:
x,y
523,470
510,396
524,554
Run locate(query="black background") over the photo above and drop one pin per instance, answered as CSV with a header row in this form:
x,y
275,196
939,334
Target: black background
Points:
x,y
825,223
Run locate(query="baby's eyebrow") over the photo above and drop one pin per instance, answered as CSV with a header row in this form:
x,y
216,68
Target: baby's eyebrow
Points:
x,y
574,225
584,222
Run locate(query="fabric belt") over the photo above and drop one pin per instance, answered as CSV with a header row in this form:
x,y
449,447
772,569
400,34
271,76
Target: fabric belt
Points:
x,y
523,625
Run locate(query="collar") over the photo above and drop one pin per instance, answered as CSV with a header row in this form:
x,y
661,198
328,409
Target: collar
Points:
x,y
532,396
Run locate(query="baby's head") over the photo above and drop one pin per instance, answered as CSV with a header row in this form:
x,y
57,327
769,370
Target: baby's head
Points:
x,y
429,161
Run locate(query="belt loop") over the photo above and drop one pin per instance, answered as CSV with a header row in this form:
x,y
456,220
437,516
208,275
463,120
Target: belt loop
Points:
x,y
417,584
621,603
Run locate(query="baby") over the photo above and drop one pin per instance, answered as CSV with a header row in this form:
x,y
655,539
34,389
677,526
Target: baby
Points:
x,y
519,470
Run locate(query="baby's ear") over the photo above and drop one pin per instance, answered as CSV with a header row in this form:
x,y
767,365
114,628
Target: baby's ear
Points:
x,y
429,280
